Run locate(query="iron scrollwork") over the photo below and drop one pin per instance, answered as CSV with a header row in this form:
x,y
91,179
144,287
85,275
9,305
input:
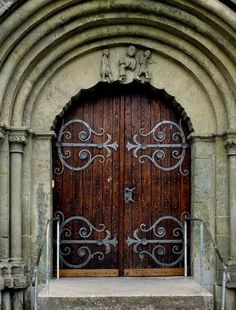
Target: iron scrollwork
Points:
x,y
85,231
160,244
64,148
178,146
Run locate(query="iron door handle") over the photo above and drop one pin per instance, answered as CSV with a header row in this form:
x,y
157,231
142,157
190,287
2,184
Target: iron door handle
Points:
x,y
128,194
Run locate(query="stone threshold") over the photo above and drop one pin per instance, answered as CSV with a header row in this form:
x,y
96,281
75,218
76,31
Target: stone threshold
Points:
x,y
125,294
123,286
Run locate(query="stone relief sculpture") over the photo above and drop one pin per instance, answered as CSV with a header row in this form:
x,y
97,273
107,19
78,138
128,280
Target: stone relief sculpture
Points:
x,y
127,62
136,61
143,74
106,73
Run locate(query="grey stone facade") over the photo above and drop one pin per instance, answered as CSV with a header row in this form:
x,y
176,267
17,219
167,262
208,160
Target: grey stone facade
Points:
x,y
50,50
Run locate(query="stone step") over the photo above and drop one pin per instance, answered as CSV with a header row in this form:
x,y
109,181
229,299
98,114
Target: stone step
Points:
x,y
125,294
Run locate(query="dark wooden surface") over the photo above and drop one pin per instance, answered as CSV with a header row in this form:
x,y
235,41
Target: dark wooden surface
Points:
x,y
97,192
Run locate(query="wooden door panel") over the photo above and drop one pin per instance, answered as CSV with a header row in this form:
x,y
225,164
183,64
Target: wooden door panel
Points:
x,y
121,137
118,176
127,163
159,194
86,188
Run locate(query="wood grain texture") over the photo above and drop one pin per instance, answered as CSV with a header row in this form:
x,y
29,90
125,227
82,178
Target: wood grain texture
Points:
x,y
154,272
89,272
97,192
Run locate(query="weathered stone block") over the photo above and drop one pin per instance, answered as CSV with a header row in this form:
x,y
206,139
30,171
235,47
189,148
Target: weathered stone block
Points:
x,y
222,243
222,226
20,281
2,283
203,149
124,303
203,180
13,274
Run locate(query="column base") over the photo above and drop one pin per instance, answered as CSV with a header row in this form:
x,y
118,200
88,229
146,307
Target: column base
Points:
x,y
232,271
13,274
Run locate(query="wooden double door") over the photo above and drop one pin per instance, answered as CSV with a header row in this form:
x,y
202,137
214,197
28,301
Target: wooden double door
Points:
x,y
122,183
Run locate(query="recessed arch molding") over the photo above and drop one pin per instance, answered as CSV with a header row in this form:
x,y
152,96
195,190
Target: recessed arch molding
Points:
x,y
51,52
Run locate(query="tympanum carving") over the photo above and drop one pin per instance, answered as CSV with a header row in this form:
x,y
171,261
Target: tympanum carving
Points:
x,y
106,73
127,62
135,61
143,74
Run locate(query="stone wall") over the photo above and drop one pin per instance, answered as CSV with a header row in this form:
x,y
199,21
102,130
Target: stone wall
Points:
x,y
50,50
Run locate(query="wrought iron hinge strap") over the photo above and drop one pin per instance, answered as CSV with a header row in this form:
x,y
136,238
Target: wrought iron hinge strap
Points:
x,y
159,232
84,154
178,149
85,229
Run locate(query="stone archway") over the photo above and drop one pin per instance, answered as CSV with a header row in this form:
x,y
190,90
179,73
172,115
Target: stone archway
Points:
x,y
52,50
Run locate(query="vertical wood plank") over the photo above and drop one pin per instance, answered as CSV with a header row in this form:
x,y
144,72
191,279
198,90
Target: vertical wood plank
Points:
x,y
156,172
98,170
107,181
136,167
117,184
146,187
127,180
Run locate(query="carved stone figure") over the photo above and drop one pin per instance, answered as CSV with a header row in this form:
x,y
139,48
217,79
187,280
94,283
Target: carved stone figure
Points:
x,y
106,74
127,62
143,74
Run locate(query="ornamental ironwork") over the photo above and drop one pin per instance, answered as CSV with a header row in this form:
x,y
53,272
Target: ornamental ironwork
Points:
x,y
84,229
162,142
159,231
65,146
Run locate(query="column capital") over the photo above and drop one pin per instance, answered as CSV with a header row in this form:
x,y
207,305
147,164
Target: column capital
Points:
x,y
230,143
17,138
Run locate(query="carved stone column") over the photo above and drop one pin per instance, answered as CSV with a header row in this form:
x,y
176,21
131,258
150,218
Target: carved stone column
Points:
x,y
230,144
17,141
4,203
4,220
1,278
